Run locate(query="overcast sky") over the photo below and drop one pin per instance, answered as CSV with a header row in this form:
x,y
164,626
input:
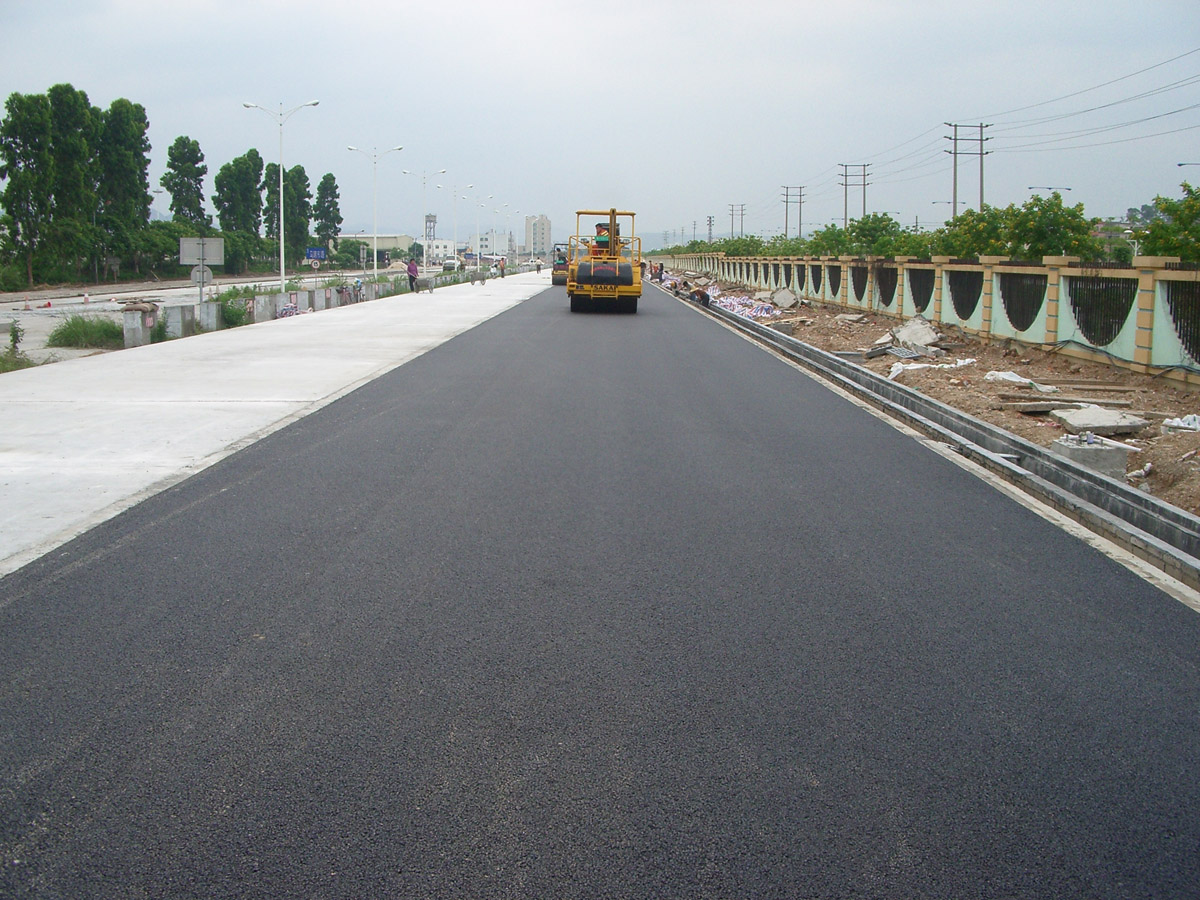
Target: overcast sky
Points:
x,y
677,109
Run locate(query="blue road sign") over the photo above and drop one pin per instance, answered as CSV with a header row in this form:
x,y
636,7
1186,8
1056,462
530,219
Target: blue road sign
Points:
x,y
314,253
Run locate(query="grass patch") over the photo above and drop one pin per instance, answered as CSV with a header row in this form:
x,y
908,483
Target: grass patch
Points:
x,y
86,333
11,360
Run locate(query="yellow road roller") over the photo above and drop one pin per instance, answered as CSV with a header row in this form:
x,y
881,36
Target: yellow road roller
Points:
x,y
604,264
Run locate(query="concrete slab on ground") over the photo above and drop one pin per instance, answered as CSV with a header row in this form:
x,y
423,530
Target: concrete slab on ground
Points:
x,y
86,438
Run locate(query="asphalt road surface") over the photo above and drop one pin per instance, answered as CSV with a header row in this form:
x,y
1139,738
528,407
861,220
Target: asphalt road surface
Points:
x,y
599,607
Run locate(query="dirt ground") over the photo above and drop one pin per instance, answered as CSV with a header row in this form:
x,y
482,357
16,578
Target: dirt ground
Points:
x,y
1173,457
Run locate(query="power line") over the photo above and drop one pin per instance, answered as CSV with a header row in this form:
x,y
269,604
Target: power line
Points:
x,y
1096,87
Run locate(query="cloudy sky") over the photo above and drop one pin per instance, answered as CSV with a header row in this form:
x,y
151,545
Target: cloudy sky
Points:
x,y
676,109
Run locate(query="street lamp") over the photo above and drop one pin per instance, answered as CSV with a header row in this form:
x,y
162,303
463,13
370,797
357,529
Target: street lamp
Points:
x,y
1044,187
424,229
282,117
469,186
1187,164
479,204
1133,241
375,204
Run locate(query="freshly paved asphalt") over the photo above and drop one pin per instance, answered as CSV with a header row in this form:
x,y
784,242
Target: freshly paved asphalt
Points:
x,y
593,606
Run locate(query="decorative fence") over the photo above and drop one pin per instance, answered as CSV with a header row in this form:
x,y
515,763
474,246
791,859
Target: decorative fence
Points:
x,y
1145,317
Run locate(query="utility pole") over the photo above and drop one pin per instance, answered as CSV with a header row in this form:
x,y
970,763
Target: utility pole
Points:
x,y
862,175
787,202
740,210
954,154
981,153
710,225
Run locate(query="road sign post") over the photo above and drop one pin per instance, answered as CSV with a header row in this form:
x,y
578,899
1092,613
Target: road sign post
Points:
x,y
200,252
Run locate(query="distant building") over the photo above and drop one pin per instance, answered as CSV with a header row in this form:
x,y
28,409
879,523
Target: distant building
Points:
x,y
440,249
537,236
492,243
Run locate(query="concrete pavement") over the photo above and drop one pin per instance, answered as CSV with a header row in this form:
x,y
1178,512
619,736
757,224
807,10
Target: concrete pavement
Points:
x,y
84,439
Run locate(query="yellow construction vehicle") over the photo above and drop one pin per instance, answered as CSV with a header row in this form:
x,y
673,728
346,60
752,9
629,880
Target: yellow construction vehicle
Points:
x,y
604,268
558,271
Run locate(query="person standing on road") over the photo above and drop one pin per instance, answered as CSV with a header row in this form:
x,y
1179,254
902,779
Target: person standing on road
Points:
x,y
413,272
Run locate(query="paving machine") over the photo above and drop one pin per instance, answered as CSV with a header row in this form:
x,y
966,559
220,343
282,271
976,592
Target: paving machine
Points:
x,y
604,268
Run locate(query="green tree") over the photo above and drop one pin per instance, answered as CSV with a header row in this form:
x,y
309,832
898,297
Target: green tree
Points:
x,y
238,200
347,254
1143,215
124,164
27,167
184,180
1044,227
297,210
745,245
326,212
829,241
1176,231
72,145
269,190
876,234
976,232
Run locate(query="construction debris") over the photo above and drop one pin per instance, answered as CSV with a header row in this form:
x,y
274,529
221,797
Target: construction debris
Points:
x,y
1021,380
1098,421
785,299
899,367
1189,422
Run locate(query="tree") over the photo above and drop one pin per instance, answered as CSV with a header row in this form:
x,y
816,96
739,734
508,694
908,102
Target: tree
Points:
x,y
297,210
124,164
876,234
184,180
72,145
27,165
746,245
1176,231
269,190
1143,216
73,133
829,241
326,212
1044,227
975,233
238,200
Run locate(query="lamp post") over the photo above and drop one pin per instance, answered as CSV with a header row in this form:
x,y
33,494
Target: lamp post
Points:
x,y
507,232
1045,187
424,236
493,241
374,157
479,204
469,186
282,117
